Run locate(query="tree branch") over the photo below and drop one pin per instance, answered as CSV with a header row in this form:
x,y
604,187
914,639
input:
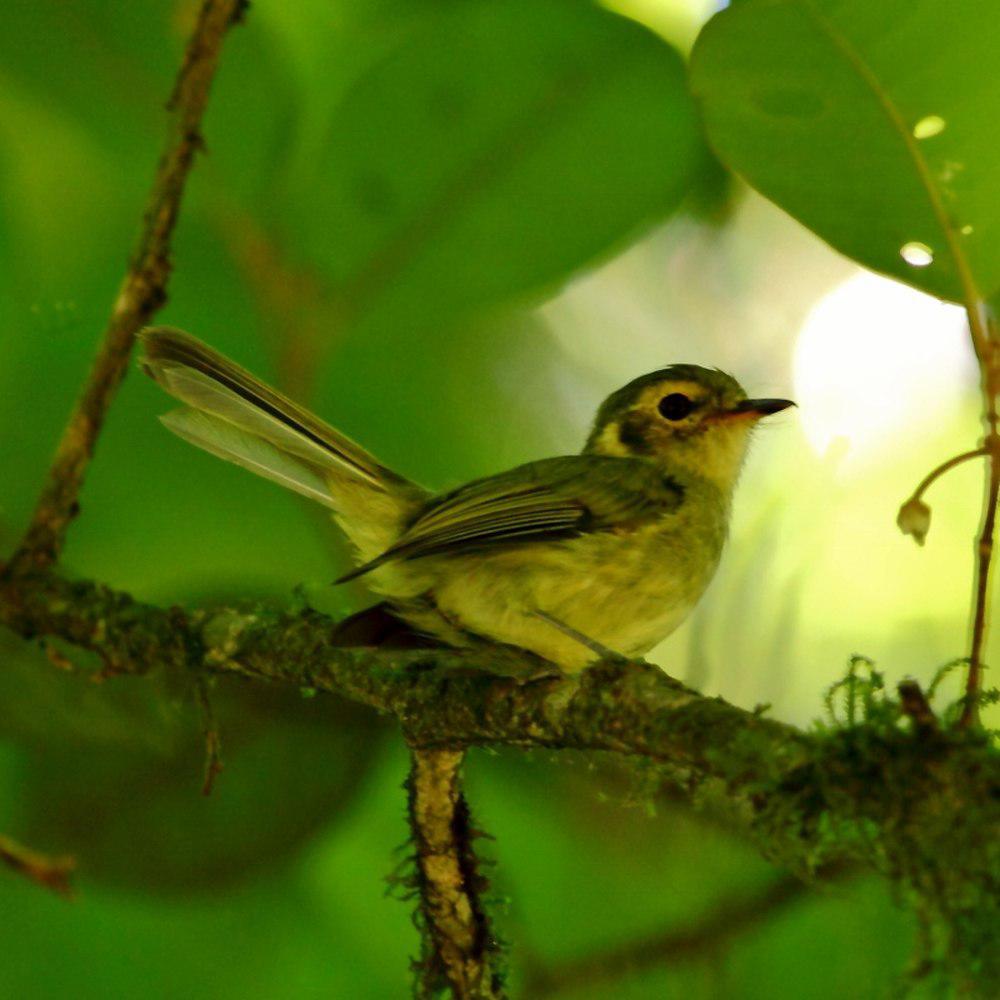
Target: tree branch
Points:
x,y
452,699
213,743
52,873
142,292
459,945
705,938
923,807
443,698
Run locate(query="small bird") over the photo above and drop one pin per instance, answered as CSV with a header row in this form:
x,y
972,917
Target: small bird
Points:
x,y
573,558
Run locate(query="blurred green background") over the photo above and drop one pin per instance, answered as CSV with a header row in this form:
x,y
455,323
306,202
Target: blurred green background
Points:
x,y
452,228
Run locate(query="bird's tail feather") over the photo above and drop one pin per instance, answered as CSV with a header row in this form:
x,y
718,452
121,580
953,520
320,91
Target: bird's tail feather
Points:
x,y
233,415
227,441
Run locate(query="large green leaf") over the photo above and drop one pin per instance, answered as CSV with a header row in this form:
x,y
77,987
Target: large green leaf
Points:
x,y
874,123
496,148
111,772
131,812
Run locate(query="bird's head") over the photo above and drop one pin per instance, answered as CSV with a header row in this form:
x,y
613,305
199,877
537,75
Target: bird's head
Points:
x,y
684,415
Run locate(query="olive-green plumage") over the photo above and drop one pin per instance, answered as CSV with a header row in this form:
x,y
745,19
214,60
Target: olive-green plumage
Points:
x,y
566,557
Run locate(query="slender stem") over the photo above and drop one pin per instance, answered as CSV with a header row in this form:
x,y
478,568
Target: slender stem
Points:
x,y
213,743
981,330
944,467
984,550
989,366
52,873
459,946
143,290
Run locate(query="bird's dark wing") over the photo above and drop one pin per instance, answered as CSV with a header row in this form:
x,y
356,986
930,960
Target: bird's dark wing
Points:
x,y
547,500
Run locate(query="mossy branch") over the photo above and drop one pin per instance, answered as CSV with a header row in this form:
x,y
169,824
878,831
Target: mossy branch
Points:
x,y
919,802
442,697
460,950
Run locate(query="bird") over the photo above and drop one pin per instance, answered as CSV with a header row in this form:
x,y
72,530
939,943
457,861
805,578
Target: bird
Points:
x,y
572,558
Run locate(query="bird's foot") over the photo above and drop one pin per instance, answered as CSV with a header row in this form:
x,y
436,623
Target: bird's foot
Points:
x,y
520,665
603,653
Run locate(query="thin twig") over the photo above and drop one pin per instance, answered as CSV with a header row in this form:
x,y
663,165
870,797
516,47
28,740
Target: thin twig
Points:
x,y
459,948
300,314
51,872
210,730
984,550
142,292
706,938
56,657
990,371
980,332
944,467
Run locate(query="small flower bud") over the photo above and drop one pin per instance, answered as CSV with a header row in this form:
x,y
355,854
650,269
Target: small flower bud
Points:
x,y
914,518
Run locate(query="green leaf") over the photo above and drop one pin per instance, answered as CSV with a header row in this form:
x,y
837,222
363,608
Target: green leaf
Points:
x,y
130,807
497,148
872,123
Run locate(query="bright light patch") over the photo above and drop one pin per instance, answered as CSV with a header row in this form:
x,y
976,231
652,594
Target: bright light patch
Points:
x,y
877,364
677,21
929,127
916,254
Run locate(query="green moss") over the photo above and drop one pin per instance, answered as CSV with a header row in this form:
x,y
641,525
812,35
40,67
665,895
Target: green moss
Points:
x,y
912,803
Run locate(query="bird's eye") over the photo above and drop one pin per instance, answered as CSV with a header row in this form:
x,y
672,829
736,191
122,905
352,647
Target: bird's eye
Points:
x,y
676,406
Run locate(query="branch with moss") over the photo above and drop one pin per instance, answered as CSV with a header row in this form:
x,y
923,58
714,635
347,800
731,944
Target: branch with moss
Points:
x,y
143,290
919,802
893,789
460,950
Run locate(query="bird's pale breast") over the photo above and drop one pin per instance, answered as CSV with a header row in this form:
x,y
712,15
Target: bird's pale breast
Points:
x,y
626,589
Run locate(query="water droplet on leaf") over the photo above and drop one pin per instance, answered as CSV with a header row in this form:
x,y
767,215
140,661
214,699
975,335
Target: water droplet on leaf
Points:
x,y
967,230
916,254
929,126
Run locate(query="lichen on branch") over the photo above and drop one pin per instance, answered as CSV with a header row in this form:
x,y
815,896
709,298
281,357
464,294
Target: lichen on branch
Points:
x,y
459,949
442,697
885,787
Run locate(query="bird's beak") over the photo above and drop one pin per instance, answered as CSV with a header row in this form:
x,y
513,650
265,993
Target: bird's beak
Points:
x,y
758,408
